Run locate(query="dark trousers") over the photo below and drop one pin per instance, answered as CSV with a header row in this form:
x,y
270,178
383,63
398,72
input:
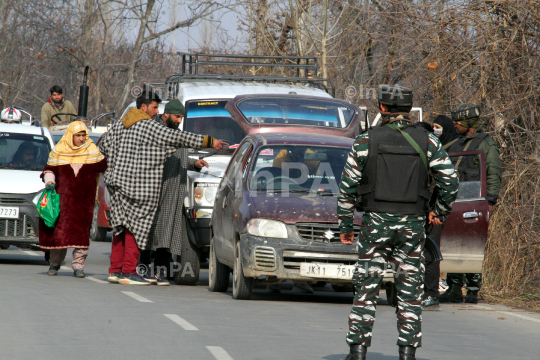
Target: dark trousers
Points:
x,y
433,268
160,257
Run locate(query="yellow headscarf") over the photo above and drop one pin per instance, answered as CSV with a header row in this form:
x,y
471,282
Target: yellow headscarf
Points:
x,y
65,153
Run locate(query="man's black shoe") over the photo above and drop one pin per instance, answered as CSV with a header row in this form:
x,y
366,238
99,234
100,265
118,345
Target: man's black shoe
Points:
x,y
162,278
53,270
452,295
357,352
472,297
407,353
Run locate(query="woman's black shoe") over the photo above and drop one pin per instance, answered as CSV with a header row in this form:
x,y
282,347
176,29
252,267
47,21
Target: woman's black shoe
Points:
x,y
357,352
79,273
407,353
53,270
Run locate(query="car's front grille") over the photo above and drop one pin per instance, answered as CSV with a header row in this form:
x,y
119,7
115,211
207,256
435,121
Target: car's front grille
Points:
x,y
321,232
265,258
21,227
13,201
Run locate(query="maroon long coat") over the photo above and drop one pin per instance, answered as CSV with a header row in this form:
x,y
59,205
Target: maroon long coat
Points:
x,y
77,198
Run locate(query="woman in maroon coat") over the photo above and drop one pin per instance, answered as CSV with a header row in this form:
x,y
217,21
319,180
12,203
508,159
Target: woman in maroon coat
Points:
x,y
73,170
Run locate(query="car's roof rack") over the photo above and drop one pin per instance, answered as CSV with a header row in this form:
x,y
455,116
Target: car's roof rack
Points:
x,y
192,63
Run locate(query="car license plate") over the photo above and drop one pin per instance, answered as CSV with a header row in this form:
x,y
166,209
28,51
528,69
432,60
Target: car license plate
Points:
x,y
327,271
9,212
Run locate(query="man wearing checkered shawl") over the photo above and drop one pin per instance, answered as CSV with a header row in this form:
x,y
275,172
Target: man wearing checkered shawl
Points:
x,y
136,149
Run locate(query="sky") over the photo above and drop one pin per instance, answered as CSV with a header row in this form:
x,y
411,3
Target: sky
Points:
x,y
204,32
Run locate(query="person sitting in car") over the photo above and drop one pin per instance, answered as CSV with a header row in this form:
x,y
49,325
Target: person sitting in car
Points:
x,y
25,157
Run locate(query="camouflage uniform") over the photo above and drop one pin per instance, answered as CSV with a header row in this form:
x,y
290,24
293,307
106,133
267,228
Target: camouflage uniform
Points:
x,y
473,282
397,239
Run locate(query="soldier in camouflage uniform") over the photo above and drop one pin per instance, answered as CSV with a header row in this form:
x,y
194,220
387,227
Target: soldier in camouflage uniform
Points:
x,y
384,168
466,120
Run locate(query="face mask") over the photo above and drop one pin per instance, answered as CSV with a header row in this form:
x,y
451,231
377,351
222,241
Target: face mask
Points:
x,y
437,132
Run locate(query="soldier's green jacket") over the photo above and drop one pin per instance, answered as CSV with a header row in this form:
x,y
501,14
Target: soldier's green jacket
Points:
x,y
493,163
440,166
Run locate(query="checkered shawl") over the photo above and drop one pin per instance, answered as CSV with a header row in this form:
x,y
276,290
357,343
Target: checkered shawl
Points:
x,y
169,228
136,158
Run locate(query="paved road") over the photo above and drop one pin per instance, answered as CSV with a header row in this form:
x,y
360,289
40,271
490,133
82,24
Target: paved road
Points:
x,y
62,317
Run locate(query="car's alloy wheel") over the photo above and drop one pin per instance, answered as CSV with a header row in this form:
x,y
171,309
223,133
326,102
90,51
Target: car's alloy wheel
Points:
x,y
218,273
242,286
97,233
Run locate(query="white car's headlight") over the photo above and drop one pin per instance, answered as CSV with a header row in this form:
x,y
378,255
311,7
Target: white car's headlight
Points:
x,y
36,198
267,228
204,194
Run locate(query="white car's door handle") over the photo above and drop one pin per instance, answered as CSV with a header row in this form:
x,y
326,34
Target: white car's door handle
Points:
x,y
470,215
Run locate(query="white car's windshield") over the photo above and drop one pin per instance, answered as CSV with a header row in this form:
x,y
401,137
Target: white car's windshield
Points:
x,y
23,151
211,118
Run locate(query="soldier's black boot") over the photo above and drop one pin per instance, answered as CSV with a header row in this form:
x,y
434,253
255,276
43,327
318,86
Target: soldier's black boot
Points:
x,y
452,295
407,353
472,297
357,352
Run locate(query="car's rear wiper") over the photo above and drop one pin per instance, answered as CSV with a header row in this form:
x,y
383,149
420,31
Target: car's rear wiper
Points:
x,y
289,191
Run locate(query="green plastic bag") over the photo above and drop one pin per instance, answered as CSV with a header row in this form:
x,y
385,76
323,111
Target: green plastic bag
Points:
x,y
48,207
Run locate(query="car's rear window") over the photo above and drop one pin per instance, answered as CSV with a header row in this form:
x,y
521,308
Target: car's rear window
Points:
x,y
298,168
295,111
23,151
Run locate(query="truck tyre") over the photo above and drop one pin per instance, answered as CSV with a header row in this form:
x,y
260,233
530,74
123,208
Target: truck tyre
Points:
x,y
218,277
391,294
97,233
190,265
242,286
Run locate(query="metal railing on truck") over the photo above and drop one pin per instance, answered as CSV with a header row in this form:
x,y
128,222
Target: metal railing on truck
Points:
x,y
192,63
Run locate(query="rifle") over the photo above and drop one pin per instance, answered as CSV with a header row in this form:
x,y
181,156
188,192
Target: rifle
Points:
x,y
431,248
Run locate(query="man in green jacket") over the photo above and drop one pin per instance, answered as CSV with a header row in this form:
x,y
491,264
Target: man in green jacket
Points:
x,y
472,138
56,105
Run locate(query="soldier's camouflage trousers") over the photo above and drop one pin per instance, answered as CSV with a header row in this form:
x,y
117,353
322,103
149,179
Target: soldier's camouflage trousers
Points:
x,y
400,245
472,281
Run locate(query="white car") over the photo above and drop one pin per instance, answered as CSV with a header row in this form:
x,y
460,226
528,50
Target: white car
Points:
x,y
24,151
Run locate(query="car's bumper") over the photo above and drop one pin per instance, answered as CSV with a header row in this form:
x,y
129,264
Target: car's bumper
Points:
x,y
199,223
283,257
24,231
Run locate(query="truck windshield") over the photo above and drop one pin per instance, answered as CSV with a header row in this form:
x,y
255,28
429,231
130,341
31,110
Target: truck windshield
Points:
x,y
296,111
300,168
23,151
211,118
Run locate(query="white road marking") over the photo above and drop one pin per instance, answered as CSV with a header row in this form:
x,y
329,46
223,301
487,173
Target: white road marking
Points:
x,y
183,323
97,280
30,252
510,313
137,297
219,353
